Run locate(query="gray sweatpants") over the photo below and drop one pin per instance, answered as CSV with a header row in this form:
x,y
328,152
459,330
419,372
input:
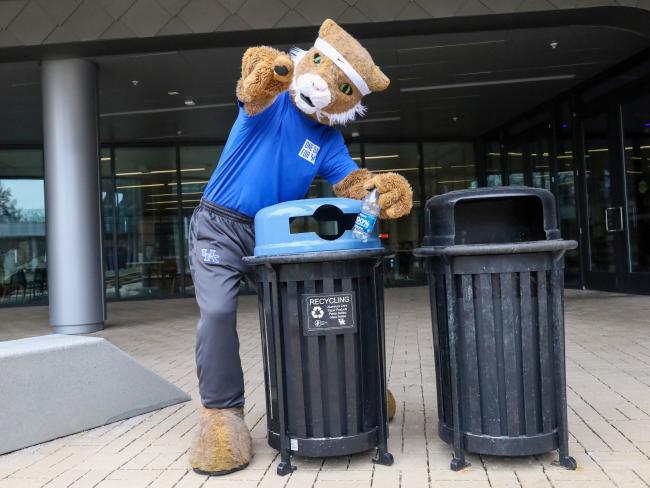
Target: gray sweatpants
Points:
x,y
218,240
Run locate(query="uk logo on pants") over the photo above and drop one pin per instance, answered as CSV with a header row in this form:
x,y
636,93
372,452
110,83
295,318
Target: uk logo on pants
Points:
x,y
210,256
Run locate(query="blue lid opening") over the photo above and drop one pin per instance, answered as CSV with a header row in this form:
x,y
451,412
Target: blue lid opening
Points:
x,y
312,225
328,222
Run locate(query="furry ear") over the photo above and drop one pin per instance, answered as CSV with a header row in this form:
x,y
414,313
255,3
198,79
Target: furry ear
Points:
x,y
329,28
332,32
378,80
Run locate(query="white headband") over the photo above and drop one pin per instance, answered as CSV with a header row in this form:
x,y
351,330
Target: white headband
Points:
x,y
339,60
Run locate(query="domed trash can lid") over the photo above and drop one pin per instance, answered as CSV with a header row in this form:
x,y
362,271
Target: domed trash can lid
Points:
x,y
492,215
310,227
494,220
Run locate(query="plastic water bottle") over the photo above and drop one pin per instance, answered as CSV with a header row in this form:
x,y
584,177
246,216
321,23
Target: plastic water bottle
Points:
x,y
367,217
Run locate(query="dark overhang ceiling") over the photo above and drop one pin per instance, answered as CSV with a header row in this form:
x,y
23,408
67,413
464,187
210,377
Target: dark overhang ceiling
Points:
x,y
443,85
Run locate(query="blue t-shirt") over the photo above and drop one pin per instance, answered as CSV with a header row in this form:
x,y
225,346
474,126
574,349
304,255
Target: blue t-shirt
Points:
x,y
273,157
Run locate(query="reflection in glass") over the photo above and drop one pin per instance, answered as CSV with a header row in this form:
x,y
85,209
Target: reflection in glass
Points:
x,y
401,235
197,165
23,263
599,193
448,166
148,257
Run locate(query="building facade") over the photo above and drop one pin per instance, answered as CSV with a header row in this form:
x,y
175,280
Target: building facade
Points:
x,y
549,94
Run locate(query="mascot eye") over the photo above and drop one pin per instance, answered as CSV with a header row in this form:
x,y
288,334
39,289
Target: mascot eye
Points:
x,y
345,88
316,58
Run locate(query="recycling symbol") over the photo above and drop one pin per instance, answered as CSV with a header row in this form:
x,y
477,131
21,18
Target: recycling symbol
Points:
x,y
317,312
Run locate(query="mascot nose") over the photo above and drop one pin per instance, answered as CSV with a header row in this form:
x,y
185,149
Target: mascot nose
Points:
x,y
315,89
319,84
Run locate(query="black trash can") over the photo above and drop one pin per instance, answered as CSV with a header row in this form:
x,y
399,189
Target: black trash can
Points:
x,y
495,267
322,321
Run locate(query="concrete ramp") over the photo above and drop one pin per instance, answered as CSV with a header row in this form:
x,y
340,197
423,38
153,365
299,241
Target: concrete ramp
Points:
x,y
56,385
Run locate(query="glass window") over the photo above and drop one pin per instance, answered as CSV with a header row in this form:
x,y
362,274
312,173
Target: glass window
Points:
x,y
148,237
636,124
540,163
566,199
108,223
493,167
320,187
197,165
515,158
23,263
401,235
448,166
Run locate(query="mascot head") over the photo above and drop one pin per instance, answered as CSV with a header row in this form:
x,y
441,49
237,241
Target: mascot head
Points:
x,y
331,78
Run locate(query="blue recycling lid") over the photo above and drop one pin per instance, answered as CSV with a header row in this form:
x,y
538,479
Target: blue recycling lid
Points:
x,y
311,225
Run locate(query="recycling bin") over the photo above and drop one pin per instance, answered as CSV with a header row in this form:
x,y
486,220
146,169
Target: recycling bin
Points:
x,y
495,265
321,307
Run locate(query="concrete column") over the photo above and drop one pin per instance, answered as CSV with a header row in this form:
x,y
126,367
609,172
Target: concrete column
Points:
x,y
72,196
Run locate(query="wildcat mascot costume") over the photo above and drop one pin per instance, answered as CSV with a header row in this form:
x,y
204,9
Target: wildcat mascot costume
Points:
x,y
282,138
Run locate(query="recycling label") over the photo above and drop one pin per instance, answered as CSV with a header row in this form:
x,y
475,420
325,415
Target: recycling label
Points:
x,y
328,313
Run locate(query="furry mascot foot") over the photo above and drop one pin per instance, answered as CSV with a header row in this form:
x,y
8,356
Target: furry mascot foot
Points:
x,y
223,443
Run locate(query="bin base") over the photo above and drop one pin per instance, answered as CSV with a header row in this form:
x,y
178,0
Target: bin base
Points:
x,y
383,457
566,462
503,446
458,464
285,469
329,446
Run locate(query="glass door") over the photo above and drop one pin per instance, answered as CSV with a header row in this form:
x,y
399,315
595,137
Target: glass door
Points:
x,y
635,116
605,260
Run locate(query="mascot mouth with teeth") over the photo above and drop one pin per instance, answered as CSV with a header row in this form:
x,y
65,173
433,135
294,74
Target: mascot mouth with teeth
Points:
x,y
282,138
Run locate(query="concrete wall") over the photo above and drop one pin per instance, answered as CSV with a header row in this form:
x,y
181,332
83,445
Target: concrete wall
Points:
x,y
37,22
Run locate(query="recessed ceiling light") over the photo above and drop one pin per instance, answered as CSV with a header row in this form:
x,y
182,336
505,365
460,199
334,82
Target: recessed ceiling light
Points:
x,y
172,93
189,102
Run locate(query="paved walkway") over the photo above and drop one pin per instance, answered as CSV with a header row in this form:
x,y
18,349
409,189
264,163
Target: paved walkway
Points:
x,y
608,341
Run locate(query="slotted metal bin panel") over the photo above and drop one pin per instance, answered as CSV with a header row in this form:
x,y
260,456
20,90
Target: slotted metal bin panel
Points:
x,y
496,281
331,379
325,393
506,369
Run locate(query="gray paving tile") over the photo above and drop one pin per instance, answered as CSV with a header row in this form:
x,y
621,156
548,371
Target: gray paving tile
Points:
x,y
608,365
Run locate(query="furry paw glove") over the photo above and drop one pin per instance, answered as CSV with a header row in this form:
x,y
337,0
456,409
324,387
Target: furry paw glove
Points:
x,y
265,73
395,193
